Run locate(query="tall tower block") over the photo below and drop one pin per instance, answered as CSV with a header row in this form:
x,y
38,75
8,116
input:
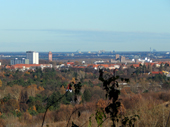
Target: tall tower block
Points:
x,y
117,56
33,57
50,56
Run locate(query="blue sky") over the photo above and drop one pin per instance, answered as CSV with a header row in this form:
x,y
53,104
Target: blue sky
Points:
x,y
87,25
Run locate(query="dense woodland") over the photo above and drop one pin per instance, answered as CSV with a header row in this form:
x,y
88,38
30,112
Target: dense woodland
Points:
x,y
24,96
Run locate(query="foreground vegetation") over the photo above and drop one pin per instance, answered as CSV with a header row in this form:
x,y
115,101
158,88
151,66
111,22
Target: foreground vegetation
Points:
x,y
24,97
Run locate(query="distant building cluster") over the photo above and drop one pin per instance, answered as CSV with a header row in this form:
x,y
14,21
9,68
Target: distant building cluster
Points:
x,y
24,67
30,62
146,60
99,62
32,57
122,59
119,58
120,62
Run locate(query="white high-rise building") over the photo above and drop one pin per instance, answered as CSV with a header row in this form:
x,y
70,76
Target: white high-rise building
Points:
x,y
33,57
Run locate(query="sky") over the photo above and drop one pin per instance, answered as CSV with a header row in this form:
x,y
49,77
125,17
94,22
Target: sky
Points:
x,y
84,25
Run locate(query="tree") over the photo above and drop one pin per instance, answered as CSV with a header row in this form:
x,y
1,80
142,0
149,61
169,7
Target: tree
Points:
x,y
0,83
53,100
150,68
62,90
130,71
161,68
68,98
87,95
166,66
110,85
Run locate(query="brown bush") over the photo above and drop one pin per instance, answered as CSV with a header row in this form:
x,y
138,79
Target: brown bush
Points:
x,y
26,117
131,101
63,113
102,103
23,107
2,123
165,96
8,106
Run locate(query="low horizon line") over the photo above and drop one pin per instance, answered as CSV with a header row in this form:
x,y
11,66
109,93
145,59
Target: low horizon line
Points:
x,y
77,52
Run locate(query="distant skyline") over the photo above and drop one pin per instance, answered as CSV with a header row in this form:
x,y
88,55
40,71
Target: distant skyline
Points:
x,y
61,26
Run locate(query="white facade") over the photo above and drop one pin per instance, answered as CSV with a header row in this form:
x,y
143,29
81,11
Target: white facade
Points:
x,y
33,57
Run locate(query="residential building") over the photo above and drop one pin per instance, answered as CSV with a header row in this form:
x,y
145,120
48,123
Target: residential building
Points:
x,y
23,67
33,57
19,61
70,63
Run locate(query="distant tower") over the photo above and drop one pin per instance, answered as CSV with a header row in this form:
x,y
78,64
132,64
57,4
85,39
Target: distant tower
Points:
x,y
50,56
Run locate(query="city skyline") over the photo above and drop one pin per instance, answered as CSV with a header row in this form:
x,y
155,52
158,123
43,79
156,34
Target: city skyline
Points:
x,y
61,26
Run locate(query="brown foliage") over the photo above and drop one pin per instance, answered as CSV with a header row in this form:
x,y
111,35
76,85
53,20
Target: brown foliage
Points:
x,y
60,115
32,90
131,101
102,103
10,76
2,123
40,88
62,90
23,107
10,105
26,117
0,83
122,109
34,108
15,91
23,96
165,96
